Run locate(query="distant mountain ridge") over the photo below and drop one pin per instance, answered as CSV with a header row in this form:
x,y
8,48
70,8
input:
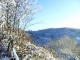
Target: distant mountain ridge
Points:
x,y
43,36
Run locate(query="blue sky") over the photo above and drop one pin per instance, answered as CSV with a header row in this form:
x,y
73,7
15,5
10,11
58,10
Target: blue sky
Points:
x,y
57,14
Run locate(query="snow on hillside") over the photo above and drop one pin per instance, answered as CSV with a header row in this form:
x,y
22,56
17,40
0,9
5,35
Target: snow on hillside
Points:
x,y
43,36
38,53
26,51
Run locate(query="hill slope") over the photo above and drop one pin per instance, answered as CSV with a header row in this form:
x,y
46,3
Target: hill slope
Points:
x,y
25,49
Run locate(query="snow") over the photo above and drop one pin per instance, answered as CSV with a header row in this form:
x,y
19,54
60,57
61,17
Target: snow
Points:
x,y
15,55
5,58
3,23
13,2
25,1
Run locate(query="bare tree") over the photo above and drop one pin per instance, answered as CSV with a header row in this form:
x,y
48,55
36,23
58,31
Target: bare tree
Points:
x,y
64,46
18,13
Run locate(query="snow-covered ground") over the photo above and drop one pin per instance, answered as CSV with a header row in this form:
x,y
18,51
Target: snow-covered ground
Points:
x,y
39,53
15,55
5,58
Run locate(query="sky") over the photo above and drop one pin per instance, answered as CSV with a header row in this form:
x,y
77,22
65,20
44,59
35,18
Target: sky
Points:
x,y
57,14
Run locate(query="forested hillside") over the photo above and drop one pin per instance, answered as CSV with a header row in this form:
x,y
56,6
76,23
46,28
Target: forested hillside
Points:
x,y
43,36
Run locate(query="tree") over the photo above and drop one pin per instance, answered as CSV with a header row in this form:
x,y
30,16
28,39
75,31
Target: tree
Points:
x,y
63,47
16,16
18,13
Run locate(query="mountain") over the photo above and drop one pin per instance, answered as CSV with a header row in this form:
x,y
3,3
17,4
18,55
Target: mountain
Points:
x,y
43,36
